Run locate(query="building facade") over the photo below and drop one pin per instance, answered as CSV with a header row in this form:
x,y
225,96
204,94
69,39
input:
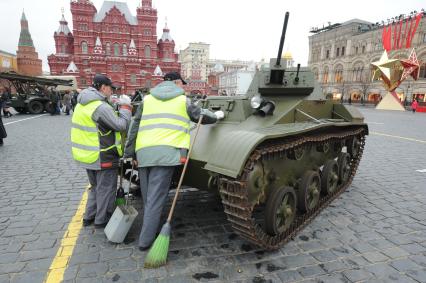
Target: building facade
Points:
x,y
235,82
340,58
27,58
193,60
114,42
8,62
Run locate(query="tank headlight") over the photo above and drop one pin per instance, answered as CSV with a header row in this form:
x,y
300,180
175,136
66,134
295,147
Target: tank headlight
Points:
x,y
256,101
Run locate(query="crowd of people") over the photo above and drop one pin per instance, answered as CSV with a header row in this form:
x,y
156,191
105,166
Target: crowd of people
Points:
x,y
64,104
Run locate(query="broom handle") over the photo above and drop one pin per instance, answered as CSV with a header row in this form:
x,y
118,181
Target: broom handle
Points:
x,y
184,170
123,141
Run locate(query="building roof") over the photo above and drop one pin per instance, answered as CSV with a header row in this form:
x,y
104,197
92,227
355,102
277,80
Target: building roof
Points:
x,y
121,6
166,34
357,21
287,55
72,68
158,71
63,26
7,53
218,68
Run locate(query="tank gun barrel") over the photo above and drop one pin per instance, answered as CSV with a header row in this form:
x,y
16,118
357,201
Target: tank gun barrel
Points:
x,y
280,49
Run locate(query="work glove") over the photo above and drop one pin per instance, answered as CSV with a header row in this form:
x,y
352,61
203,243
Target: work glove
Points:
x,y
219,115
124,100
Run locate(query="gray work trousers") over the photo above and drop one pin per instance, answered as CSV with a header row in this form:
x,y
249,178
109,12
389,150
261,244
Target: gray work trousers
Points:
x,y
100,203
155,184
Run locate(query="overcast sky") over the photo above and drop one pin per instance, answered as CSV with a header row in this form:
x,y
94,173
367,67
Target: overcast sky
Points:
x,y
235,29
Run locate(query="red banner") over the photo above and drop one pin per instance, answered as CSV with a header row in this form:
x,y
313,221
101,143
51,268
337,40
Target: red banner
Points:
x,y
386,37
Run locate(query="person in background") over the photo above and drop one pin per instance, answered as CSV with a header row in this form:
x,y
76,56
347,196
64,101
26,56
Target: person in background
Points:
x,y
66,101
6,97
159,138
74,98
96,145
414,105
3,133
1,100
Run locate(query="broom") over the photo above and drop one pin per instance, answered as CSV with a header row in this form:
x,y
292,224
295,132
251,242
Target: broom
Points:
x,y
157,255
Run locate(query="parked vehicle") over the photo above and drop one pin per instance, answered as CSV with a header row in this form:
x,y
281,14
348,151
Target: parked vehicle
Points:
x,y
32,92
282,153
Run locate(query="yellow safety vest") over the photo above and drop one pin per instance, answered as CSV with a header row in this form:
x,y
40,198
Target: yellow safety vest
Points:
x,y
164,123
85,136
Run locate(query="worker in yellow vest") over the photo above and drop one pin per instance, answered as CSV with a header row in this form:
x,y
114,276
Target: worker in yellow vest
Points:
x,y
159,139
96,145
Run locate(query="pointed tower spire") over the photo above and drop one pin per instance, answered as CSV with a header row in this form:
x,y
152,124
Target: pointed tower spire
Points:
x,y
23,18
166,33
27,57
25,36
63,26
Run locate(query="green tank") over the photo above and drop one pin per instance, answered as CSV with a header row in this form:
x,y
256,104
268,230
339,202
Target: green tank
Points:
x,y
282,153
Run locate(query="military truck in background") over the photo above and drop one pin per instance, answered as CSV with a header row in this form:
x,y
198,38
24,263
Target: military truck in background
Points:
x,y
31,93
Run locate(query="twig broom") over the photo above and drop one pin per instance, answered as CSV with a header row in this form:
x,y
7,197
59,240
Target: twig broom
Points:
x,y
157,255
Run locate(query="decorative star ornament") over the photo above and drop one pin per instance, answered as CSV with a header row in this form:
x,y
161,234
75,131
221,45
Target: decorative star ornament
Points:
x,y
379,69
411,66
389,70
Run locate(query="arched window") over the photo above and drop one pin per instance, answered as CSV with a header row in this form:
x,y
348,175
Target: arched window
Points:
x,y
357,76
108,48
124,49
423,71
147,51
116,49
338,74
63,48
325,75
316,75
84,48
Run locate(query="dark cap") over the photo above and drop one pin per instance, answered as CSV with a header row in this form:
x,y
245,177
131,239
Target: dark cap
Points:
x,y
172,76
100,80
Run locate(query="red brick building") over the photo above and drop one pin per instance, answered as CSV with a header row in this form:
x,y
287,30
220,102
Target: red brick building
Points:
x,y
27,57
112,41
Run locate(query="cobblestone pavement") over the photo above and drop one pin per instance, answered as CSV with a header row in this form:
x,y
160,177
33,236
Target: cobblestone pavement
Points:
x,y
374,232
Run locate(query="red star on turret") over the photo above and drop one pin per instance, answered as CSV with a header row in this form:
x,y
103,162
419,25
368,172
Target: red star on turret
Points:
x,y
411,66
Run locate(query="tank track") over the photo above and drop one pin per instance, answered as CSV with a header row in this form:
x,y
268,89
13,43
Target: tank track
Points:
x,y
234,192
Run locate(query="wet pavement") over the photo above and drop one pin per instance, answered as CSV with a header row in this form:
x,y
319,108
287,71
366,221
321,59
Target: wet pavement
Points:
x,y
374,232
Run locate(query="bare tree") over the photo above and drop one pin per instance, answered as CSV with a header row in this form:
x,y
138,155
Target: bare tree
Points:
x,y
365,84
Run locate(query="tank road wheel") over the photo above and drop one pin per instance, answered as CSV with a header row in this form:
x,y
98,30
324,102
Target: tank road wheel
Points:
x,y
344,162
330,177
309,191
324,147
280,210
353,146
296,154
35,107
